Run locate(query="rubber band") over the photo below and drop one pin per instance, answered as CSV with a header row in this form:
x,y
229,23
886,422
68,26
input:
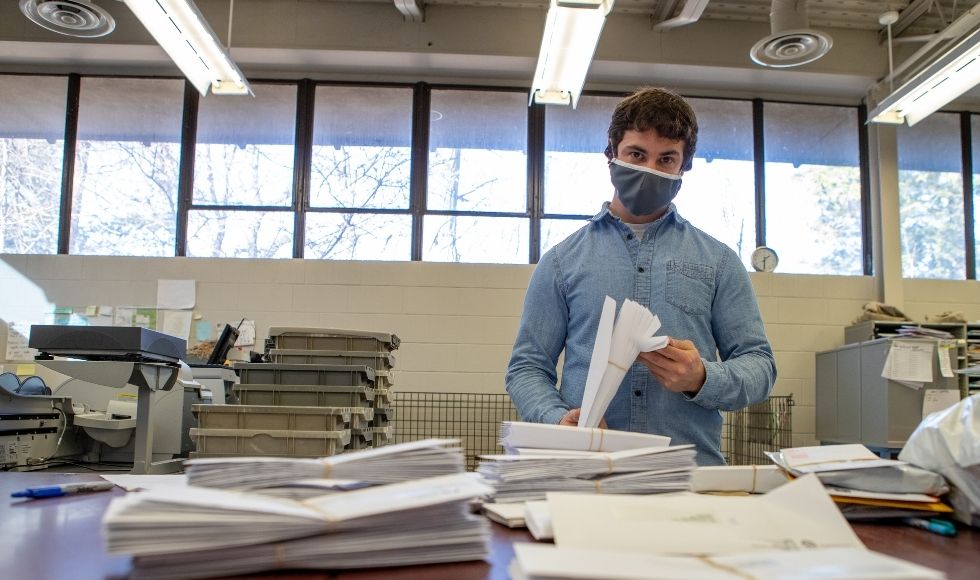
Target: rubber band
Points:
x,y
622,368
724,567
280,555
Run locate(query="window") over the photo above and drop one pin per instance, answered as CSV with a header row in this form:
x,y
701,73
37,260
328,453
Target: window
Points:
x,y
975,130
32,127
576,174
362,161
477,165
244,157
930,188
718,194
813,188
126,167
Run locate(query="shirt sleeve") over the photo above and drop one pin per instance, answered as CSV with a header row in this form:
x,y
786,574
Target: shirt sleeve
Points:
x,y
746,371
531,375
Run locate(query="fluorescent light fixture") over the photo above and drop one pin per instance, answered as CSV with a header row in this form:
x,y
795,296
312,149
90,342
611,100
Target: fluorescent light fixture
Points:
x,y
184,34
946,78
571,33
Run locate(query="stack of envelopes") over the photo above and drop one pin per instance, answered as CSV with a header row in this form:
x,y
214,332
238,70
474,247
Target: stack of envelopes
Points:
x,y
198,532
530,472
383,465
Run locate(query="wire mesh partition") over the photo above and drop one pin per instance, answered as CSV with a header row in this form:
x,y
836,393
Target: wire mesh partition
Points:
x,y
748,433
472,418
475,420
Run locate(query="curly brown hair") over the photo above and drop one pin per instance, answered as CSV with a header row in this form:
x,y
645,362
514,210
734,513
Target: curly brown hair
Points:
x,y
655,108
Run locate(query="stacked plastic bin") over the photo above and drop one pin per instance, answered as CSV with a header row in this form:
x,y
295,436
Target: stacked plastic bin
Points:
x,y
325,391
367,357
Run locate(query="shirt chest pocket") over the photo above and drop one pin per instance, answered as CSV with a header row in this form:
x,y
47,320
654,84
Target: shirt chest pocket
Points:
x,y
690,286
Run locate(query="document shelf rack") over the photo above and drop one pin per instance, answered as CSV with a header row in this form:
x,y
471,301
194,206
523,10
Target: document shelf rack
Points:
x,y
305,395
268,442
324,375
281,418
855,404
290,338
380,361
475,419
875,329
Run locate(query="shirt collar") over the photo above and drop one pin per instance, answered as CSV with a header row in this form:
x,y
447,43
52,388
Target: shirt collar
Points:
x,y
604,213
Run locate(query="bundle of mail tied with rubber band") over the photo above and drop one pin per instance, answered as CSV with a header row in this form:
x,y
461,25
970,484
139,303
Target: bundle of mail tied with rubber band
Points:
x,y
397,505
586,458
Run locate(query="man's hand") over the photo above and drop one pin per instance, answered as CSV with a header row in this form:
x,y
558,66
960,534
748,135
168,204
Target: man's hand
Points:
x,y
571,419
677,366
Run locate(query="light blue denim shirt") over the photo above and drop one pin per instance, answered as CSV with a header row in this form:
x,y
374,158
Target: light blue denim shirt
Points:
x,y
694,283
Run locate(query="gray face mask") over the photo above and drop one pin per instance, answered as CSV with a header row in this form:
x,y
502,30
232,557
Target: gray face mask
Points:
x,y
642,191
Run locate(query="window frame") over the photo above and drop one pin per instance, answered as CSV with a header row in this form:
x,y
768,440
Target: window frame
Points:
x,y
421,102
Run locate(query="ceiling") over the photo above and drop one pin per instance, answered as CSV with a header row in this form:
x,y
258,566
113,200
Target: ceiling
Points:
x,y
853,14
496,42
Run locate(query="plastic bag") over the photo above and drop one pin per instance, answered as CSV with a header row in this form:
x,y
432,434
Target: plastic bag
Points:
x,y
948,442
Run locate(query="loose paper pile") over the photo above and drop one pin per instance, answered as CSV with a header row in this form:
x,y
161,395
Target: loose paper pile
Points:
x,y
792,532
865,485
199,532
388,464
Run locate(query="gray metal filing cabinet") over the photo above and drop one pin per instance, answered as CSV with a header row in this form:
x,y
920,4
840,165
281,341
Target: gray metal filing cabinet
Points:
x,y
856,405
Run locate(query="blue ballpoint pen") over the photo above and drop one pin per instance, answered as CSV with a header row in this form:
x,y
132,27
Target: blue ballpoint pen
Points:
x,y
941,527
62,489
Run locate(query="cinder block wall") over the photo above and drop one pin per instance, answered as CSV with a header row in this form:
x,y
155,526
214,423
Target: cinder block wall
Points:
x,y
457,321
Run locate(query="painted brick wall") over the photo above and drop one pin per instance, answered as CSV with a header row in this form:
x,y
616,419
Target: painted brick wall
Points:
x,y
457,321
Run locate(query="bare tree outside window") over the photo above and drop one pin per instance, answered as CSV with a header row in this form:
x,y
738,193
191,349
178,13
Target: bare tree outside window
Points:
x,y
930,195
32,123
126,167
30,193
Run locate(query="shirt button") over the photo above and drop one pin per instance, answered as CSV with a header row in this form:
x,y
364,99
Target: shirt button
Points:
x,y
629,236
638,393
640,269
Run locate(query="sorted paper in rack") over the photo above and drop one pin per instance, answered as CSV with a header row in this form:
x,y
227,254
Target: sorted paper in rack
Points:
x,y
909,362
632,333
517,434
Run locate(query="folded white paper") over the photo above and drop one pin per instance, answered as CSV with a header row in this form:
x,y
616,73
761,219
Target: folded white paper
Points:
x,y
632,333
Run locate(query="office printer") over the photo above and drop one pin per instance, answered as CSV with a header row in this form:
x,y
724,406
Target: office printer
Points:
x,y
118,395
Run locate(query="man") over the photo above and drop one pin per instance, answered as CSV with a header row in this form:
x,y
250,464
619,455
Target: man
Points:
x,y
638,247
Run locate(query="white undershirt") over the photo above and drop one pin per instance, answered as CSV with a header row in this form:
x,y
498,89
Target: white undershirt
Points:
x,y
638,229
